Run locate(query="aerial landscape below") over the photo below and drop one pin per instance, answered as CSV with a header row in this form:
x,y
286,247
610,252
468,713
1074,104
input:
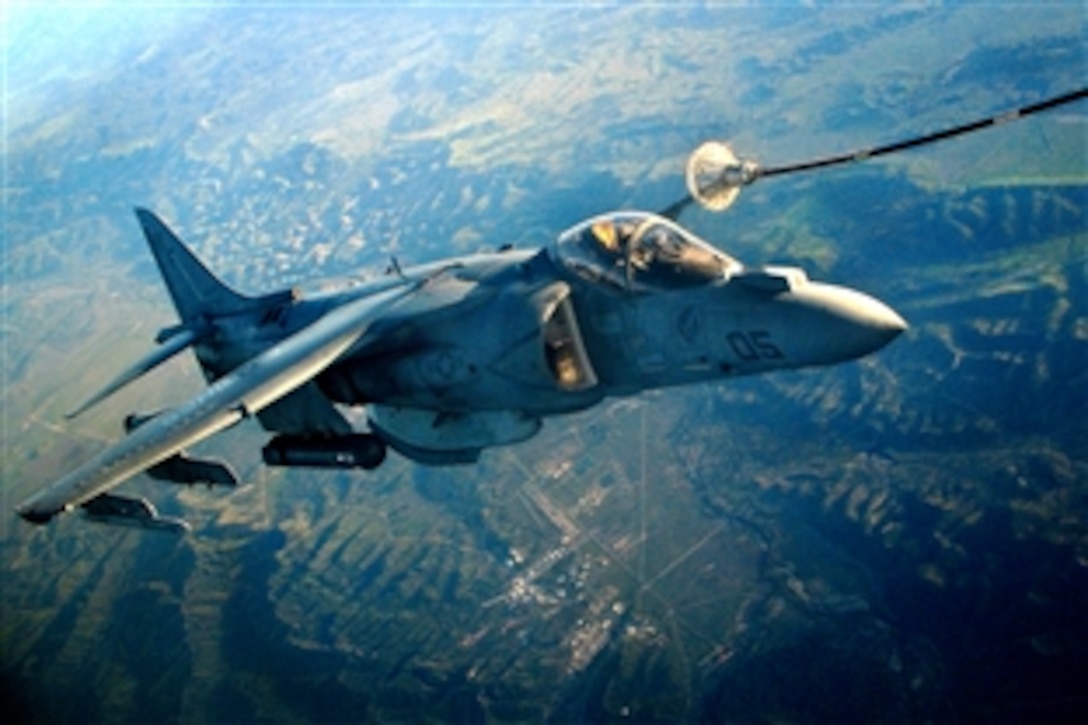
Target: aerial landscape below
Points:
x,y
898,538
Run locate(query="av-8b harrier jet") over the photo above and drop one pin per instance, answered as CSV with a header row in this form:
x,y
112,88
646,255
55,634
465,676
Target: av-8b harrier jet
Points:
x,y
451,358
465,354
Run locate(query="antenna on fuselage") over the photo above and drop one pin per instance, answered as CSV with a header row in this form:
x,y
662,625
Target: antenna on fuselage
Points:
x,y
394,267
715,175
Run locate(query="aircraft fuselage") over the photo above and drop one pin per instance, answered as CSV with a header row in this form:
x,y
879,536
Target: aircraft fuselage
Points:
x,y
476,336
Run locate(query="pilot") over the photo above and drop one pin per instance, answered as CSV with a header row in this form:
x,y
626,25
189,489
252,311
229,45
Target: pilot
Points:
x,y
605,233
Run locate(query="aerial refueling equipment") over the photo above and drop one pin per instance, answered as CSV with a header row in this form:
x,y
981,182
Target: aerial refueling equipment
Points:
x,y
715,175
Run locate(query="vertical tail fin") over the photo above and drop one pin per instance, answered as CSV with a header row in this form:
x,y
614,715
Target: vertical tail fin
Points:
x,y
196,291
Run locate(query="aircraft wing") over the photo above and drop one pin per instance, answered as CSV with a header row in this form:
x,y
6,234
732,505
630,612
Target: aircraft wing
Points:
x,y
273,374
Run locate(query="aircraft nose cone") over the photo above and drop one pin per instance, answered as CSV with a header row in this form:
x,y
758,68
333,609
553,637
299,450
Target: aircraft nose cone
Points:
x,y
879,320
867,324
852,323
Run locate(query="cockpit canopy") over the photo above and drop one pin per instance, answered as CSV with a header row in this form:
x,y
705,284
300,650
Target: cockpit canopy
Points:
x,y
640,252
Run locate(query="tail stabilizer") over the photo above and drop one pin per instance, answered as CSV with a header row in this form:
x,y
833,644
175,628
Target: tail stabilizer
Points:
x,y
149,362
195,290
198,296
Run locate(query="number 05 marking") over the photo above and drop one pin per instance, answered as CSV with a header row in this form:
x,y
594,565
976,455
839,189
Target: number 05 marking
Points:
x,y
754,345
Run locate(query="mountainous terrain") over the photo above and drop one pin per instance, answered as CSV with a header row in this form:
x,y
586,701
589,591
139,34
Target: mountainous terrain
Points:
x,y
898,539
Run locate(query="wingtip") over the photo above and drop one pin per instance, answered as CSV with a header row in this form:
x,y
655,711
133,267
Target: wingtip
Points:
x,y
88,403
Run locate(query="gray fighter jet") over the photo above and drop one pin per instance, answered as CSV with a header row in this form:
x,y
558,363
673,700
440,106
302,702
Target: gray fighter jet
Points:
x,y
458,356
454,357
